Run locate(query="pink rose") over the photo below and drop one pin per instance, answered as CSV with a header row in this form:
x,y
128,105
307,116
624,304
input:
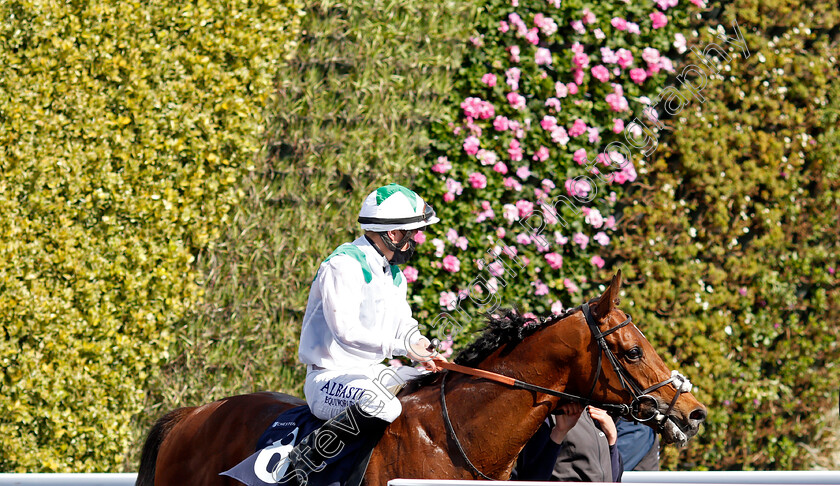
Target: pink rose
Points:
x,y
597,261
554,260
541,154
451,263
471,145
501,123
443,165
659,20
601,73
580,60
543,57
619,23
489,79
625,57
420,237
500,167
618,125
638,75
517,101
515,150
578,128
477,180
525,208
588,17
580,156
410,274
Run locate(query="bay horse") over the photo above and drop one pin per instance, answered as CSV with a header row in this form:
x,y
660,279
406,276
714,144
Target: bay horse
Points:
x,y
484,424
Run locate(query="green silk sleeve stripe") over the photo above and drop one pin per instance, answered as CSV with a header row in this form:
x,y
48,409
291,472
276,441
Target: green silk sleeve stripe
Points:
x,y
357,254
397,274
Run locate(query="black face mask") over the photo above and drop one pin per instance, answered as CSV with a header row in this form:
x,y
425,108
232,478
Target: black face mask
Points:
x,y
400,256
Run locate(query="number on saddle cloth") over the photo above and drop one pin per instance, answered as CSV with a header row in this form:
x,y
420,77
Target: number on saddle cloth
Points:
x,y
269,464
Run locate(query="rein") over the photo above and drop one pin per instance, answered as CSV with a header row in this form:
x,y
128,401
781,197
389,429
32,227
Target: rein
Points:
x,y
640,396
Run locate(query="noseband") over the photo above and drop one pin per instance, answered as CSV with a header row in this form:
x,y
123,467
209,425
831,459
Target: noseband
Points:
x,y
642,408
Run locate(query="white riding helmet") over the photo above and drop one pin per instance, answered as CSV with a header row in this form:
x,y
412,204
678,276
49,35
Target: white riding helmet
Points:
x,y
394,207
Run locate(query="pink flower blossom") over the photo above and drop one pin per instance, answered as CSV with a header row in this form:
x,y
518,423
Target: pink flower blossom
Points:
x,y
523,172
594,218
618,125
451,263
601,73
570,286
452,235
512,77
548,123
477,108
553,103
617,102
548,185
500,232
523,239
608,55
471,145
454,187
559,135
560,89
588,17
680,43
665,4
501,123
541,288
699,3
619,23
580,239
580,60
577,76
659,20
580,156
514,53
597,261
560,239
533,36
578,27
572,87
651,55
489,79
477,180
599,34
510,213
512,183
487,157
601,238
410,274
742,291
503,26
420,237
557,308
442,166
461,242
541,155
543,57
577,188
525,208
517,101
554,260
610,224
638,75
500,167
625,58
448,197
515,150
578,128
831,270
448,300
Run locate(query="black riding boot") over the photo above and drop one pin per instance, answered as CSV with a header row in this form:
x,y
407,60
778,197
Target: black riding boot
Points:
x,y
349,426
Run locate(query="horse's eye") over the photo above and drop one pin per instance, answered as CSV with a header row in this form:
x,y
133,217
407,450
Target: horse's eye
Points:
x,y
634,353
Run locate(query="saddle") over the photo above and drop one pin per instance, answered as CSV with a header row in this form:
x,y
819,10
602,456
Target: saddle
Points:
x,y
270,465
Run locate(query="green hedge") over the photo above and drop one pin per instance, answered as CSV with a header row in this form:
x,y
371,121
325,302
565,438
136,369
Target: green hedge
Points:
x,y
730,244
124,130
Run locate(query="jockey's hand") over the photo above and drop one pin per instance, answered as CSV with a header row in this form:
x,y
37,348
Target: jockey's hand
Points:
x,y
423,352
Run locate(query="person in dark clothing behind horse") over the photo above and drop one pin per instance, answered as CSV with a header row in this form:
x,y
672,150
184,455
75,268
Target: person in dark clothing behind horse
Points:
x,y
578,447
639,446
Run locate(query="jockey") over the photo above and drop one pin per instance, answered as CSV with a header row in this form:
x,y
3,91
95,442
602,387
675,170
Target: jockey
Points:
x,y
356,317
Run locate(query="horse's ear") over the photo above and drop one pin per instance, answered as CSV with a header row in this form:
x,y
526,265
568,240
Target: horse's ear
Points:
x,y
609,299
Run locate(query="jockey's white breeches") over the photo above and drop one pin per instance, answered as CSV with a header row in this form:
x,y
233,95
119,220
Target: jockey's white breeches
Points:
x,y
328,392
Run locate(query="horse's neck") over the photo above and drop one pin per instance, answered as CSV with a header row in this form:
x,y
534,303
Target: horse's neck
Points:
x,y
495,421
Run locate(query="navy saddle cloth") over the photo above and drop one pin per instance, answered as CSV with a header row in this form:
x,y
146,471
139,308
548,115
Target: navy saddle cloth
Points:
x,y
269,466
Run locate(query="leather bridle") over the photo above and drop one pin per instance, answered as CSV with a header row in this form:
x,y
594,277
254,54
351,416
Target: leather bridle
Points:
x,y
642,408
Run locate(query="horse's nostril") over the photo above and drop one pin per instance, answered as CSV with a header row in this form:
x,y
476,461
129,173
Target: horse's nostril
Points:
x,y
698,414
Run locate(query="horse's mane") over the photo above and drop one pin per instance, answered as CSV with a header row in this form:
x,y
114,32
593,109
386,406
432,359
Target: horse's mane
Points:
x,y
507,327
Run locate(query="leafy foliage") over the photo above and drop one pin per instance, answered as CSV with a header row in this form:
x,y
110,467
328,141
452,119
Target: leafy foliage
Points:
x,y
731,243
125,129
